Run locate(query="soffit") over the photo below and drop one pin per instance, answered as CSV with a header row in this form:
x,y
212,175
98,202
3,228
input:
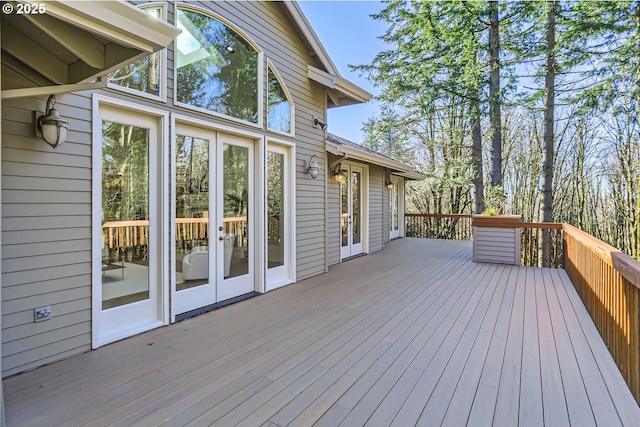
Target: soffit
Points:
x,y
76,41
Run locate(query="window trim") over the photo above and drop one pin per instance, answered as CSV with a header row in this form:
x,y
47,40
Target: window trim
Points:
x,y
292,106
162,56
260,89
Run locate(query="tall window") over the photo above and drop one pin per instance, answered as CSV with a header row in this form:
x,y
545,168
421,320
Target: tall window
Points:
x,y
278,105
146,74
217,70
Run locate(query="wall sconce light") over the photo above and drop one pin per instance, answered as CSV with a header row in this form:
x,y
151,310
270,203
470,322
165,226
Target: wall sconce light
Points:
x,y
51,126
336,173
318,123
312,168
389,184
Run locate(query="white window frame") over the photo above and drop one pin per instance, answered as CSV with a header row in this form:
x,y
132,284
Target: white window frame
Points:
x,y
162,56
279,145
159,205
260,89
292,107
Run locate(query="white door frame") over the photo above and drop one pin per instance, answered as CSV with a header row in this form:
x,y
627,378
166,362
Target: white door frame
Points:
x,y
363,247
256,210
398,188
284,274
199,296
130,319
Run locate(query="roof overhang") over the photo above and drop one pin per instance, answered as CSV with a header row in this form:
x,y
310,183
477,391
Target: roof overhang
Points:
x,y
340,91
396,168
76,41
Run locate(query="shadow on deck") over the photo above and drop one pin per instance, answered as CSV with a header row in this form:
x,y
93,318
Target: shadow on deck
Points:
x,y
414,334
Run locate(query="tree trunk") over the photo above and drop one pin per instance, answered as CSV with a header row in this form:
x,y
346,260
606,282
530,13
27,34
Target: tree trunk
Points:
x,y
476,137
495,120
549,112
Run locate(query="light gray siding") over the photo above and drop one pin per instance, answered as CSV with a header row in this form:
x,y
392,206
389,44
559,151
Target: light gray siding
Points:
x,y
46,229
46,235
376,208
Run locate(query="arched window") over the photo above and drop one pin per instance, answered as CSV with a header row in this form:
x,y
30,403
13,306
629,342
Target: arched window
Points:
x,y
279,105
217,69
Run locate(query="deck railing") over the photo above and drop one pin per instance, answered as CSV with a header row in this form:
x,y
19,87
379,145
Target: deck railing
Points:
x,y
608,281
438,226
541,245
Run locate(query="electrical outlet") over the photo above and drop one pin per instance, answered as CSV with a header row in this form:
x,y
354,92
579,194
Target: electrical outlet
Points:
x,y
42,313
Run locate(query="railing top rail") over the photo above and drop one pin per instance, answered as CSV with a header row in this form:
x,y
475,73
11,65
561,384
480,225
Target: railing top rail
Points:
x,y
438,215
628,267
550,225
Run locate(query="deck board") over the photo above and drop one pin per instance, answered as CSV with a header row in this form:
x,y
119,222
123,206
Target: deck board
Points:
x,y
416,334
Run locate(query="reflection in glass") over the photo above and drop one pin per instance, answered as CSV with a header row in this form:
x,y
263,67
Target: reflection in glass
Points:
x,y
144,74
236,209
216,68
344,202
278,107
192,212
125,214
355,191
275,209
395,206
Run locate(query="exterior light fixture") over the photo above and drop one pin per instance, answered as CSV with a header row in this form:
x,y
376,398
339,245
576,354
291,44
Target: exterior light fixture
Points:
x,y
389,184
336,173
312,168
52,127
318,123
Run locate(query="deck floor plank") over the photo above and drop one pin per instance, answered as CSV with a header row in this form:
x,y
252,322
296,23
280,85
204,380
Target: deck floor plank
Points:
x,y
416,334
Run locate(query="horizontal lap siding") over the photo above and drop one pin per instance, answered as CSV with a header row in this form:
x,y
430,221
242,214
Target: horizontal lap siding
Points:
x,y
46,235
46,226
376,208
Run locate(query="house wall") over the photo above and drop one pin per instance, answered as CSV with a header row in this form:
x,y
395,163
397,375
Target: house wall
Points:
x,y
46,233
376,208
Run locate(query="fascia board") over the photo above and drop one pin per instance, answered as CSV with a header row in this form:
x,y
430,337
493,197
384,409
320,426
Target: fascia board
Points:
x,y
397,168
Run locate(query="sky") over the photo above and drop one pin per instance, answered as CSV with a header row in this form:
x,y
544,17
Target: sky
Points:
x,y
350,37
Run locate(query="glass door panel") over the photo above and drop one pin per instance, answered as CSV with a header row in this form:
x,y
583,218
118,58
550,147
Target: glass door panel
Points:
x,y
235,232
351,201
355,206
192,212
345,219
194,200
236,210
125,214
394,209
275,209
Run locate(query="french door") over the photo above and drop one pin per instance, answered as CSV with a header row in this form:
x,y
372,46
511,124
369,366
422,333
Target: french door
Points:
x,y
213,257
395,208
128,288
352,203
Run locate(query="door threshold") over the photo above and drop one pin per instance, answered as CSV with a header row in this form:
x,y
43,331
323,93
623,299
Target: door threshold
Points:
x,y
349,258
215,306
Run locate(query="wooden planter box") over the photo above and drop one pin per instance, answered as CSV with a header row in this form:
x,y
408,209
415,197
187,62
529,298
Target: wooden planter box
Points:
x,y
496,239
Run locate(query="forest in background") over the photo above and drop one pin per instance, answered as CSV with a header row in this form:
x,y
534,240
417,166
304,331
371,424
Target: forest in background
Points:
x,y
526,108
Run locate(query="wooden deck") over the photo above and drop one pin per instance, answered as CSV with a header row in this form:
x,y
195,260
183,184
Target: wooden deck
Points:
x,y
416,334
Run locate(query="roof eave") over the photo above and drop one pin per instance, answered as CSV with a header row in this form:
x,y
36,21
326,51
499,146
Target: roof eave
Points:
x,y
395,167
348,92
